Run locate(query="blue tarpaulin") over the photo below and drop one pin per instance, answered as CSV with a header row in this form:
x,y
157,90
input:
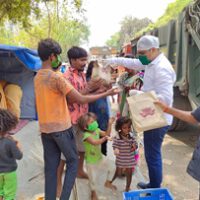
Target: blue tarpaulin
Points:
x,y
27,56
18,65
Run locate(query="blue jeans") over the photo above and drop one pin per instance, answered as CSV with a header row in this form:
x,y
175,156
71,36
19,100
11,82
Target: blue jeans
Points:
x,y
152,147
53,145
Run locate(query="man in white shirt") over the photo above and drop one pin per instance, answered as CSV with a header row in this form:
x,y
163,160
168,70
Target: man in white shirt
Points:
x,y
159,76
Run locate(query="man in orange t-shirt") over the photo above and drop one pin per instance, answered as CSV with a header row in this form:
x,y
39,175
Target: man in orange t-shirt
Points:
x,y
51,90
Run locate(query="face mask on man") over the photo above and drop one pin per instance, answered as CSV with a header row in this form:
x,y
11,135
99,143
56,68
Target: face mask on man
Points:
x,y
56,63
144,60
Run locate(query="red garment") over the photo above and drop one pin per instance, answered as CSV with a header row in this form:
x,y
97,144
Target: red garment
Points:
x,y
78,80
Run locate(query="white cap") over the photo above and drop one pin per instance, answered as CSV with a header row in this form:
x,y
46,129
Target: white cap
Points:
x,y
147,42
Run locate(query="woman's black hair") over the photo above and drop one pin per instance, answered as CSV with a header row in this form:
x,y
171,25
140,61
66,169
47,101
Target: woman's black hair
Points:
x,y
120,122
89,70
47,47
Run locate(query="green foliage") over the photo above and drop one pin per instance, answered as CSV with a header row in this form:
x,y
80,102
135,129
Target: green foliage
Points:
x,y
5,36
78,4
69,33
18,10
129,26
62,26
133,27
114,41
22,11
171,12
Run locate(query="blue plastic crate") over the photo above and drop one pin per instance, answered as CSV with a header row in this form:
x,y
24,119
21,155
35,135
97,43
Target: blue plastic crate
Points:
x,y
148,194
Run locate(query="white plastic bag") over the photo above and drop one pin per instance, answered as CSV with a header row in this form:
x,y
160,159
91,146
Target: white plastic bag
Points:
x,y
101,72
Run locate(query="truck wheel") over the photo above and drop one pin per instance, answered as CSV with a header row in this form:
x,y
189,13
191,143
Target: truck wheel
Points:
x,y
180,102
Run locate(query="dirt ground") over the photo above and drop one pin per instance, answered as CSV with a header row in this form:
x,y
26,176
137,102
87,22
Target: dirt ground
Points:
x,y
177,152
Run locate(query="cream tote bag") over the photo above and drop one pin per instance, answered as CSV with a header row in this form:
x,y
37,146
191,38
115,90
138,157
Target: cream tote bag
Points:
x,y
144,113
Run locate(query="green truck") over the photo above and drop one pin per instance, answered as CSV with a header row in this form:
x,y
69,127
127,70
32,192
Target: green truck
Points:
x,y
180,42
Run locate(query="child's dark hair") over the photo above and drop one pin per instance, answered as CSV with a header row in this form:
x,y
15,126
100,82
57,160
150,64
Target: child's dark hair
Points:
x,y
121,121
47,47
8,121
76,52
82,121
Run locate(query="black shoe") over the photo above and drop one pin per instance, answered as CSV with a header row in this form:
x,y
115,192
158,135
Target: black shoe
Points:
x,y
142,185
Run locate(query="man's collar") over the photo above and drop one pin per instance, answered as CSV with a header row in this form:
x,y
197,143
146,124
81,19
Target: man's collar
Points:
x,y
156,60
74,70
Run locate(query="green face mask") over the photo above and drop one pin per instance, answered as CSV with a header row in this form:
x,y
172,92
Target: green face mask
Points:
x,y
93,126
144,60
56,63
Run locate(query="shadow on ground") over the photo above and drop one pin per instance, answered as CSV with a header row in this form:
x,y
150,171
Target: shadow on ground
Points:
x,y
189,136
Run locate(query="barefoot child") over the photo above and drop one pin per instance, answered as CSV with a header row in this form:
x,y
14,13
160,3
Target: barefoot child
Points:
x,y
9,152
92,142
124,147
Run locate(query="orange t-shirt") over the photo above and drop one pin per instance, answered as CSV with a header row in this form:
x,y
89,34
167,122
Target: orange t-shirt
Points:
x,y
51,89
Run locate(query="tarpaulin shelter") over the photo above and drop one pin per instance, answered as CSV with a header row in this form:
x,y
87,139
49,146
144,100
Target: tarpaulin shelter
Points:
x,y
18,65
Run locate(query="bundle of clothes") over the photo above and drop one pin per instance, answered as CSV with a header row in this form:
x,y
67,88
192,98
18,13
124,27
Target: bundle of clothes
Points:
x,y
10,97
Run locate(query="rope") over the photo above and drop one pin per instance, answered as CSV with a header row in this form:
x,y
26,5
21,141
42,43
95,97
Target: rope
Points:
x,y
194,14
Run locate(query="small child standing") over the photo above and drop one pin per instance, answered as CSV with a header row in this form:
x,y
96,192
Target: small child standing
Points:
x,y
124,146
9,152
92,142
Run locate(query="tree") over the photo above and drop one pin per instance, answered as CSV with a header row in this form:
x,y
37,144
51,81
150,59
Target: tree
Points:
x,y
172,11
62,21
129,27
114,41
127,33
20,11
